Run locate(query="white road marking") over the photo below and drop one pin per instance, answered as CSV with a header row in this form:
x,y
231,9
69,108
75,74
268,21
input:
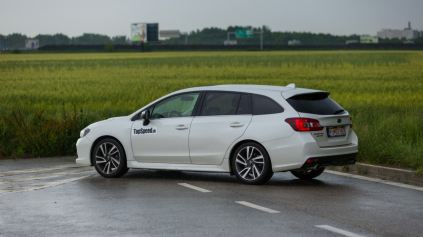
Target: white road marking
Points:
x,y
375,180
195,188
32,187
339,231
45,176
16,172
257,207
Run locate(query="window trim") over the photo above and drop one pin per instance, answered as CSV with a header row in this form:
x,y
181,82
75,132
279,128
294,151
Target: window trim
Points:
x,y
198,112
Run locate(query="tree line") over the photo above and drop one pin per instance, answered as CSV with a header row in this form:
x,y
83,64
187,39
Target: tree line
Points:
x,y
206,36
216,36
17,40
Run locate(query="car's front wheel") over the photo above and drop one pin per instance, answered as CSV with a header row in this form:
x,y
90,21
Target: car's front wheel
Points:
x,y
109,159
251,164
307,174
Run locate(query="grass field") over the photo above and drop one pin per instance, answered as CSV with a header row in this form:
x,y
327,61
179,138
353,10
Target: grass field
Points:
x,y
383,90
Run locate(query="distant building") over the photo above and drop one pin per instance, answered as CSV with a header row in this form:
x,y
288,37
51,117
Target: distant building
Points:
x,y
407,33
31,44
294,42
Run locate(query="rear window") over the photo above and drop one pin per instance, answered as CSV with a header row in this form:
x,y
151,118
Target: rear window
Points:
x,y
316,103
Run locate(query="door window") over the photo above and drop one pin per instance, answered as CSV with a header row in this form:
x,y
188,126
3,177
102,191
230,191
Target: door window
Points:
x,y
176,106
220,103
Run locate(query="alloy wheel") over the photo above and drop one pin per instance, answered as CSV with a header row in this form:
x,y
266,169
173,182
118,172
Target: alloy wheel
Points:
x,y
107,158
249,163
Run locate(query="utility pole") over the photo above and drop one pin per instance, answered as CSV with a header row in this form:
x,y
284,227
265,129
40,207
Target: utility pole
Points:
x,y
261,40
186,37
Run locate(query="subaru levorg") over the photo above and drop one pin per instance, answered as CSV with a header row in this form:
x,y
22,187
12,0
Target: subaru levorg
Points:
x,y
250,131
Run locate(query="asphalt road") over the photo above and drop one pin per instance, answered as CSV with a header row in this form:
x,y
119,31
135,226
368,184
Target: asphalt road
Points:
x,y
55,197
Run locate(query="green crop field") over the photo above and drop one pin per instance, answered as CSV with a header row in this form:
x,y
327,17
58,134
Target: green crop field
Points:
x,y
45,99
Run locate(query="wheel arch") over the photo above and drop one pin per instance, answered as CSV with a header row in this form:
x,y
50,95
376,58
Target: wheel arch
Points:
x,y
240,143
98,140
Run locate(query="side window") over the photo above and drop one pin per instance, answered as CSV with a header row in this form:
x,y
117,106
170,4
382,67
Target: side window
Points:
x,y
265,105
220,103
176,106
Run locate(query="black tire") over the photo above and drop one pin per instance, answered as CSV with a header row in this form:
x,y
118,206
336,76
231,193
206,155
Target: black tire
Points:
x,y
255,169
307,174
109,159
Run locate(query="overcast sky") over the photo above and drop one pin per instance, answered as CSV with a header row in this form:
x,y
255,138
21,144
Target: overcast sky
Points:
x,y
112,17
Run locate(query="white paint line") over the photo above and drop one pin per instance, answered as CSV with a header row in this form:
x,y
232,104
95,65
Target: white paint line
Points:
x,y
388,168
339,231
46,176
375,180
257,207
195,188
32,187
16,172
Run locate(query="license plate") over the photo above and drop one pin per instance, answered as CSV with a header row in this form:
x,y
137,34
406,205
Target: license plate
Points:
x,y
336,131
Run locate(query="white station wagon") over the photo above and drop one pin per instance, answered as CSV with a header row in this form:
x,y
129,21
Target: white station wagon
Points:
x,y
250,131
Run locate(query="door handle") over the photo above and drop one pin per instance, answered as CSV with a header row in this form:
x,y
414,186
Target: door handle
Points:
x,y
236,125
181,127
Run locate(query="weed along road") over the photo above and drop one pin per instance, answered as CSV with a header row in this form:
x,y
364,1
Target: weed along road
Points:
x,y
56,197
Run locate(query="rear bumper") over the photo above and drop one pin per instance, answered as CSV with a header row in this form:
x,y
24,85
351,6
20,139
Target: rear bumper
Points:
x,y
338,160
292,152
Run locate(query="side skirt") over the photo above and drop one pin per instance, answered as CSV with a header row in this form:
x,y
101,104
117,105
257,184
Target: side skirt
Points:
x,y
224,167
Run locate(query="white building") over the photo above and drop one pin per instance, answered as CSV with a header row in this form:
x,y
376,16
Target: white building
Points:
x,y
407,33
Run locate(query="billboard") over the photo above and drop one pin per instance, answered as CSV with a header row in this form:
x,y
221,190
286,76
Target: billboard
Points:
x,y
367,39
139,32
31,44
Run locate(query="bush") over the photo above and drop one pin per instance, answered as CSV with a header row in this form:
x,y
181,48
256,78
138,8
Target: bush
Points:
x,y
36,135
109,47
16,51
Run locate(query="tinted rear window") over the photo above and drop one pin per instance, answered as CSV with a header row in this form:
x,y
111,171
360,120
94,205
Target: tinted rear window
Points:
x,y
265,105
316,103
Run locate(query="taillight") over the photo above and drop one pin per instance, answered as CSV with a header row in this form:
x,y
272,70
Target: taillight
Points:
x,y
304,124
351,122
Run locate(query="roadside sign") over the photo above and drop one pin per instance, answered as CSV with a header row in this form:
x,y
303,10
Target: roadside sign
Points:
x,y
366,39
244,34
230,42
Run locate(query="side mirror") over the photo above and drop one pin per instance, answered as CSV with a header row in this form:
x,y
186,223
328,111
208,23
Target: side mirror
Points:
x,y
146,116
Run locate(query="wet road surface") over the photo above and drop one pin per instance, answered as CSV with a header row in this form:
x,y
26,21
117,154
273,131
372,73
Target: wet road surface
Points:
x,y
56,197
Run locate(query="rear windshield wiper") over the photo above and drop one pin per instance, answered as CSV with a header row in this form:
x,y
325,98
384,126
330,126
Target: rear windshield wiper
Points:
x,y
339,111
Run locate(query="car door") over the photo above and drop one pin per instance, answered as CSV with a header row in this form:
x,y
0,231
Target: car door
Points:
x,y
165,138
223,117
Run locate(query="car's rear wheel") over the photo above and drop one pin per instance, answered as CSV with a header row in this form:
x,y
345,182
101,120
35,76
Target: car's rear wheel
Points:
x,y
307,174
251,164
109,159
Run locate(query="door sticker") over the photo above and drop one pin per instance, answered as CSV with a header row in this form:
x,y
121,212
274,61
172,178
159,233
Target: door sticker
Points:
x,y
146,130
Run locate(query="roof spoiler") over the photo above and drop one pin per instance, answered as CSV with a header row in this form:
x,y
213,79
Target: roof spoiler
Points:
x,y
292,85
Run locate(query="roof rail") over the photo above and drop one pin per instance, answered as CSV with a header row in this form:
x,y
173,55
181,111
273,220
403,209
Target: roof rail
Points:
x,y
292,85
